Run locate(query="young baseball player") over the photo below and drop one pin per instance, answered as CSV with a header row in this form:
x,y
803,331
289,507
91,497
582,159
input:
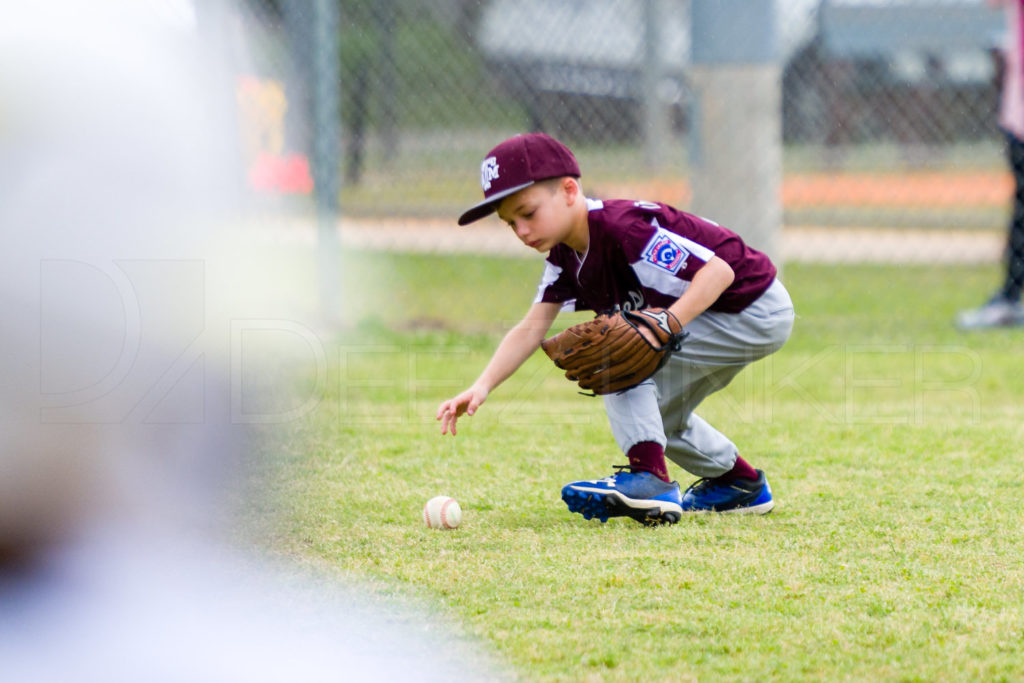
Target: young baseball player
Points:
x,y
1004,308
619,257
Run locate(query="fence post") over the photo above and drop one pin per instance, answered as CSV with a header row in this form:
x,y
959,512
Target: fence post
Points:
x,y
737,121
656,121
326,88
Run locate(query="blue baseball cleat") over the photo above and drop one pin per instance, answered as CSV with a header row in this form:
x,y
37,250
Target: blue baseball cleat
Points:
x,y
740,496
639,495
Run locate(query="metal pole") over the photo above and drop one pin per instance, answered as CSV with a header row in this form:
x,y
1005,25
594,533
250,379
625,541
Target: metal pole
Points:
x,y
326,86
384,17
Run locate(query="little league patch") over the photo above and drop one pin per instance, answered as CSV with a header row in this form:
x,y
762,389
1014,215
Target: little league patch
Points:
x,y
663,252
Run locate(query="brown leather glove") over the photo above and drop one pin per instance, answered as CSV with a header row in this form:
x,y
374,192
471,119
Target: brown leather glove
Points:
x,y
609,353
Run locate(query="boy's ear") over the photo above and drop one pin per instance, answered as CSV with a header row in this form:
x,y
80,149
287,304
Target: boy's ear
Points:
x,y
571,189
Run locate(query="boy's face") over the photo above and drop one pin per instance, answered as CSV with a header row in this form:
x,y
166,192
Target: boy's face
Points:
x,y
540,214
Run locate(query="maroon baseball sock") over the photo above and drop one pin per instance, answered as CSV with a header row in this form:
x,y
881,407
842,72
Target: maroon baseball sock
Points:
x,y
648,456
741,470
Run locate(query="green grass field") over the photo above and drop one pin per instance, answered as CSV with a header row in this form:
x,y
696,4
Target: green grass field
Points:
x,y
891,440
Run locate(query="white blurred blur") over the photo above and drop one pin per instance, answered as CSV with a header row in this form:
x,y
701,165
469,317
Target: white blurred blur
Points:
x,y
114,172
122,284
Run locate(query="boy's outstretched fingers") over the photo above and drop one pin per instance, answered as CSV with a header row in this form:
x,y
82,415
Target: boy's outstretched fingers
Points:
x,y
446,413
451,410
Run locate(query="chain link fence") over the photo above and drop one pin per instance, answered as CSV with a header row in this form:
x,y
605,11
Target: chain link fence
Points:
x,y
890,146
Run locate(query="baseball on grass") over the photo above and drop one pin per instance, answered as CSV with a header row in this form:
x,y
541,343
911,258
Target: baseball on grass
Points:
x,y
442,512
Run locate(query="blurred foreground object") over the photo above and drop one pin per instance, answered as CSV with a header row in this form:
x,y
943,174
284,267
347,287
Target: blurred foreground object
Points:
x,y
120,287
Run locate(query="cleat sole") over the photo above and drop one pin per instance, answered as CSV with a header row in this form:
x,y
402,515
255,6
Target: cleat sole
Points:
x,y
592,504
763,509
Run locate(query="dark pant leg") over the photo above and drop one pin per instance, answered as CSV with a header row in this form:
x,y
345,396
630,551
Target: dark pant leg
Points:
x,y
1015,244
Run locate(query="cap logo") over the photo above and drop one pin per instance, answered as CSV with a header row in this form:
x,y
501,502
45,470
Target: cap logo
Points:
x,y
488,172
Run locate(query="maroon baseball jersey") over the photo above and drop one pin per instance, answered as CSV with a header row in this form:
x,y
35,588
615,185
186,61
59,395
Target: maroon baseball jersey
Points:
x,y
646,254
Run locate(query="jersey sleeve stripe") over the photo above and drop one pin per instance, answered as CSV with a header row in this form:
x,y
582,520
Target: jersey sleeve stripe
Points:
x,y
659,279
698,250
548,278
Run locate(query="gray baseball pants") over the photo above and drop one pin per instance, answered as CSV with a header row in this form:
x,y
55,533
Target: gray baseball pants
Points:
x,y
717,348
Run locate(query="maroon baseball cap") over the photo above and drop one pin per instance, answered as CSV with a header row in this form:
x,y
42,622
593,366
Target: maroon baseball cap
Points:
x,y
518,163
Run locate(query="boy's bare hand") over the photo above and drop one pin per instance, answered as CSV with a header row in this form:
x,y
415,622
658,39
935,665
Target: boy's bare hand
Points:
x,y
465,403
